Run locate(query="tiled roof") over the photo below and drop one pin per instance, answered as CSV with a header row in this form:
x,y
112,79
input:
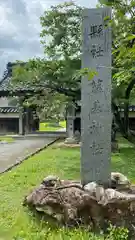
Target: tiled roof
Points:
x,y
9,110
6,86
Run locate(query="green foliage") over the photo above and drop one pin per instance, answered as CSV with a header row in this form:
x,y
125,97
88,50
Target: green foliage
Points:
x,y
117,233
61,24
61,39
123,33
124,41
42,74
50,105
89,73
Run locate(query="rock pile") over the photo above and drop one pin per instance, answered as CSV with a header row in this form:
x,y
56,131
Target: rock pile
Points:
x,y
71,203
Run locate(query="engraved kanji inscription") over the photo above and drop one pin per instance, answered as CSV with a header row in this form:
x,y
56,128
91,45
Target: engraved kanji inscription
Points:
x,y
97,86
96,31
96,148
97,107
95,127
97,51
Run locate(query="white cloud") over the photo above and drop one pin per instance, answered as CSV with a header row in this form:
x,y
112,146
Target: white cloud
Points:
x,y
20,28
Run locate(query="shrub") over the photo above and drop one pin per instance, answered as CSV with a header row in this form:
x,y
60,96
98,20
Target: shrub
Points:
x,y
117,233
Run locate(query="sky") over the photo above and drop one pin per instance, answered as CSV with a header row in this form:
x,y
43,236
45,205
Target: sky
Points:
x,y
20,28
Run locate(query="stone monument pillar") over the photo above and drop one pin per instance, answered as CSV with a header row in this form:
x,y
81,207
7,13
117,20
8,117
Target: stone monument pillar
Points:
x,y
26,127
96,115
20,122
21,116
70,124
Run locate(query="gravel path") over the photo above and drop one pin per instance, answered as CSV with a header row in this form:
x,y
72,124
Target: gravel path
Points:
x,y
11,153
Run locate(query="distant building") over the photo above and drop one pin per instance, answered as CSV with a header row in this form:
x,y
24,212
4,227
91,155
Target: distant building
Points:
x,y
12,119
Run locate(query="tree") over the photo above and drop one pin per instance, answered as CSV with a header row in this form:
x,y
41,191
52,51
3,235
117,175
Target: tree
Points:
x,y
123,54
61,25
60,70
50,106
57,74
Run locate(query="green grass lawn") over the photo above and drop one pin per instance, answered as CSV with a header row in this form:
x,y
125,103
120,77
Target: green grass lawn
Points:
x,y
17,222
45,126
6,139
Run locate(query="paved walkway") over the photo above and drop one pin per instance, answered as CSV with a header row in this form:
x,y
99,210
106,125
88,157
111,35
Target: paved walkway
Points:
x,y
11,153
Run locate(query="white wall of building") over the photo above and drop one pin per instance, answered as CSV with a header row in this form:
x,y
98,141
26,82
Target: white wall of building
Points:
x,y
7,102
4,102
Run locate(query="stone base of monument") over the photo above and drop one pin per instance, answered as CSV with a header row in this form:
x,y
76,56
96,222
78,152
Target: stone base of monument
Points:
x,y
70,203
67,145
71,141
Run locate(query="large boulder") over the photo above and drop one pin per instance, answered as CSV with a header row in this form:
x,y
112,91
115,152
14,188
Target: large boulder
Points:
x,y
69,202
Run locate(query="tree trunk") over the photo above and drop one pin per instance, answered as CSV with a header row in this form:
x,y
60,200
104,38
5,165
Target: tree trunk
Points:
x,y
118,118
126,107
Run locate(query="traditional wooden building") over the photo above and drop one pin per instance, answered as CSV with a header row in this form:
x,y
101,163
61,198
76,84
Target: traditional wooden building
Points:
x,y
9,120
14,118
